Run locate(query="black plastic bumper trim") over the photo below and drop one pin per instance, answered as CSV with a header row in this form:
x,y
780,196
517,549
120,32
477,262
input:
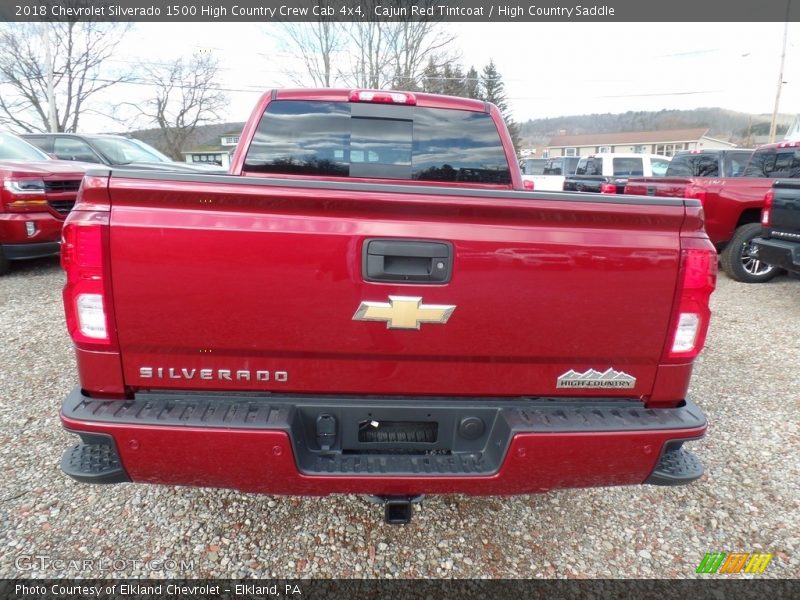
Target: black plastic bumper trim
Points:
x,y
94,460
33,250
779,253
271,411
676,466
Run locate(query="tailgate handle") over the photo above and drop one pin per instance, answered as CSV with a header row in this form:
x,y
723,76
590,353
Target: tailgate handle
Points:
x,y
405,261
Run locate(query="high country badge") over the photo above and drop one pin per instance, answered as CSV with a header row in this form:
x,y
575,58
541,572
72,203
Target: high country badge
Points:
x,y
609,379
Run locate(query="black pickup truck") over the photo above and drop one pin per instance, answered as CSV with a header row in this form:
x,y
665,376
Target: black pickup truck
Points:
x,y
779,243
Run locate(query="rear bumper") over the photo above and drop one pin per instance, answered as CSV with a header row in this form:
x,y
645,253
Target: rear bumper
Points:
x,y
272,444
25,251
46,229
779,253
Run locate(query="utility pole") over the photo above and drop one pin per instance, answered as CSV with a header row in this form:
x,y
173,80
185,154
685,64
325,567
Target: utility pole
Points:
x,y
51,100
773,125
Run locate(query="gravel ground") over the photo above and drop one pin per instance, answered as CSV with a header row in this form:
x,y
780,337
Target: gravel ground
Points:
x,y
747,381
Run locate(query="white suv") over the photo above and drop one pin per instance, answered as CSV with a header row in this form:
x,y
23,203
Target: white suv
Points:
x,y
608,172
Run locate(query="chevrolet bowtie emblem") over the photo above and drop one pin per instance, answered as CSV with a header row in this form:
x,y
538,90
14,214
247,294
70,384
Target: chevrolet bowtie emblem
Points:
x,y
404,312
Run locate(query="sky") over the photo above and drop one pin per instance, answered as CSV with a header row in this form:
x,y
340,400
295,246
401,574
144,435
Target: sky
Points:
x,y
549,69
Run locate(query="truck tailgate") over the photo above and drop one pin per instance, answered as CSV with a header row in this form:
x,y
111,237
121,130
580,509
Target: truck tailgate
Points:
x,y
786,211
658,186
244,283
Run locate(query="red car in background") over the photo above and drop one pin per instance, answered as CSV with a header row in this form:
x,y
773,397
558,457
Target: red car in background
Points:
x,y
36,195
732,195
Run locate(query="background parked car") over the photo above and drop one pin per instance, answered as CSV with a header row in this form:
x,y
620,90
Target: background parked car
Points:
x,y
608,172
532,166
553,174
732,201
709,162
111,150
37,193
529,167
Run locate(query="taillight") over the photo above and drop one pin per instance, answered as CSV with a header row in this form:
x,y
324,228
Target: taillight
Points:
x,y
608,188
83,257
766,212
697,280
527,184
382,97
696,193
24,194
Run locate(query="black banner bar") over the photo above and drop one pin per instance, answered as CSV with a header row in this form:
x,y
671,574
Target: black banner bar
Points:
x,y
714,586
528,11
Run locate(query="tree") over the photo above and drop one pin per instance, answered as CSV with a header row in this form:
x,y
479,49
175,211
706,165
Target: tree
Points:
x,y
453,80
414,45
431,80
370,53
493,87
185,96
317,44
79,53
370,64
493,90
472,84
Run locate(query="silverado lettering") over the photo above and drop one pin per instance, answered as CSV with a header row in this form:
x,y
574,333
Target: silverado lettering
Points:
x,y
503,341
221,374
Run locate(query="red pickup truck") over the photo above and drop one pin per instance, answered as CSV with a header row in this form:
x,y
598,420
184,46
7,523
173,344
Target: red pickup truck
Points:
x,y
369,302
732,201
35,197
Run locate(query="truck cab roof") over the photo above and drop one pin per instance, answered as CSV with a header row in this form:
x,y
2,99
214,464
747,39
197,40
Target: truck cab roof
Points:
x,y
783,144
623,155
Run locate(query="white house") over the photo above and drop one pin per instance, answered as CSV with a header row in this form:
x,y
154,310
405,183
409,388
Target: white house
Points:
x,y
665,143
215,154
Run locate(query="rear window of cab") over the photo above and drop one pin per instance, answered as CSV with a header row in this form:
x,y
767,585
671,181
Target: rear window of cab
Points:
x,y
350,139
620,165
774,162
694,165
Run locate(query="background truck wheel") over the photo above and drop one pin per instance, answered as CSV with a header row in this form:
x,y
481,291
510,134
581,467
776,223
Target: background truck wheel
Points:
x,y
737,261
